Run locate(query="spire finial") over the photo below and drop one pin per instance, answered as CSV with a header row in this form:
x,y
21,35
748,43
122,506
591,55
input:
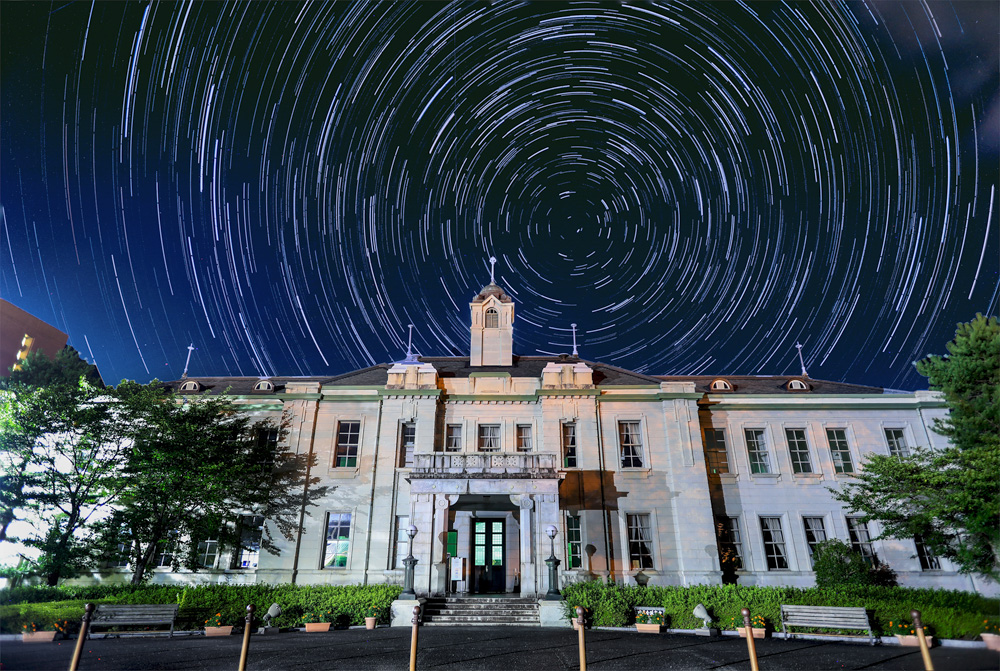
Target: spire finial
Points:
x,y
186,363
575,353
802,363
493,261
409,345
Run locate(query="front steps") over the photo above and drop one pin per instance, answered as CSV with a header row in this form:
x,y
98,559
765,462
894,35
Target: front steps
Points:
x,y
475,611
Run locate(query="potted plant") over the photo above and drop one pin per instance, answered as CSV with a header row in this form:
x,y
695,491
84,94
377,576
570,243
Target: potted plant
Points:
x,y
991,635
371,617
30,633
214,626
906,633
650,622
317,620
758,626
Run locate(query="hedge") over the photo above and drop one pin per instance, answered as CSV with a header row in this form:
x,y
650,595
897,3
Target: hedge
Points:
x,y
45,605
948,614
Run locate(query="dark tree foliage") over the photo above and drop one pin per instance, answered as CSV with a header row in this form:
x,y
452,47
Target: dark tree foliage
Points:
x,y
837,564
949,497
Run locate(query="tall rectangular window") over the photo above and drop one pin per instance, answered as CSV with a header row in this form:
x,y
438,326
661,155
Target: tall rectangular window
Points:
x,y
928,561
208,552
798,450
897,443
631,444
338,540
251,532
730,542
489,437
569,444
841,452
407,442
346,451
716,458
757,451
165,551
402,541
640,541
774,543
453,438
861,538
815,533
574,542
120,559
524,438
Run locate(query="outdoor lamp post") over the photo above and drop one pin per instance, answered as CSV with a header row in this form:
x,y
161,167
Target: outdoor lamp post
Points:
x,y
553,563
409,563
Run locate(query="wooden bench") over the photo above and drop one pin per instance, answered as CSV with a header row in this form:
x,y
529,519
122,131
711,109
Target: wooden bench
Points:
x,y
113,615
826,617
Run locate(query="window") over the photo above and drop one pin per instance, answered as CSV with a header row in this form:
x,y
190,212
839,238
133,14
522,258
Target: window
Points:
x,y
251,530
928,561
190,385
569,444
798,450
757,450
841,453
402,541
492,319
861,538
640,541
631,444
208,552
165,550
524,438
897,443
407,441
815,533
264,385
574,542
774,543
489,437
721,385
730,542
120,558
348,435
338,540
796,385
715,451
453,438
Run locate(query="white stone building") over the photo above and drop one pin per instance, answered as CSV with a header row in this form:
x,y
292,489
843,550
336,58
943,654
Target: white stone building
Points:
x,y
687,479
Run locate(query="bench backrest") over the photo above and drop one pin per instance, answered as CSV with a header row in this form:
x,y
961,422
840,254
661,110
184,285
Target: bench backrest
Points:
x,y
135,614
825,616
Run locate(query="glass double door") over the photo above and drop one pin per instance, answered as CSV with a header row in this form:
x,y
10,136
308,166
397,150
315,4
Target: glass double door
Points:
x,y
489,571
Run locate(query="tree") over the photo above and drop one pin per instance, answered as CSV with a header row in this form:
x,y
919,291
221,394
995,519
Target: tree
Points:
x,y
837,564
948,497
195,467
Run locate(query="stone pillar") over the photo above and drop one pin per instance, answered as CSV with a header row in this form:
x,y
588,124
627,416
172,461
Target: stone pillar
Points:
x,y
439,544
526,506
547,506
422,517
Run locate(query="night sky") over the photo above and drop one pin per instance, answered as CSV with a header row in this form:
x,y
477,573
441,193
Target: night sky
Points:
x,y
697,185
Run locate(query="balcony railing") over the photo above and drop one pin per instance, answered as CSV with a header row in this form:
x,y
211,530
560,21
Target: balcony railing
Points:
x,y
445,465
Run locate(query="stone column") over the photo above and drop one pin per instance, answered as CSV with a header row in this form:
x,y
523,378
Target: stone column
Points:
x,y
422,517
526,506
439,544
547,506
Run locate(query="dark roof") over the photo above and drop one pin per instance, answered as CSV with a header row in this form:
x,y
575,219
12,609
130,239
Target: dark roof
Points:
x,y
242,385
492,289
770,384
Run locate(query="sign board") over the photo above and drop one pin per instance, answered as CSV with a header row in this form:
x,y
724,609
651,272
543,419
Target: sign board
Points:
x,y
458,568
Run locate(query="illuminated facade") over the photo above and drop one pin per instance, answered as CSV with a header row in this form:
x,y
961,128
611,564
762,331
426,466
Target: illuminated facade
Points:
x,y
22,333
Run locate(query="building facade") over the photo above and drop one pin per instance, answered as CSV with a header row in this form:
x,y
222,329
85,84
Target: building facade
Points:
x,y
682,479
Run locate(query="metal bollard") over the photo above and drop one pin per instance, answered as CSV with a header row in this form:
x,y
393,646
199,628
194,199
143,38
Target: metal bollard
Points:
x,y
579,627
413,638
88,612
246,638
925,651
751,644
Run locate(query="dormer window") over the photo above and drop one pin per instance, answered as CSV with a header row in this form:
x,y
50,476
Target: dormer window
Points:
x,y
721,385
264,385
190,385
796,385
492,318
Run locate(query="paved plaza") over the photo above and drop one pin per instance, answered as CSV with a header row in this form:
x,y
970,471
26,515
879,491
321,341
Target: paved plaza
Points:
x,y
474,648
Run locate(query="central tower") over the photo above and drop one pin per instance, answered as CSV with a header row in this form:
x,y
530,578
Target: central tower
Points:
x,y
492,327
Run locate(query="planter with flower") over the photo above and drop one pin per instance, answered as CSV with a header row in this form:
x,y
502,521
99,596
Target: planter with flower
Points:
x,y
649,622
758,625
30,633
906,633
317,620
214,626
991,635
371,617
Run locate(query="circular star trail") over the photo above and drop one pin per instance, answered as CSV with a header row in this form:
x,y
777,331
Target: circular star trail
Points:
x,y
698,186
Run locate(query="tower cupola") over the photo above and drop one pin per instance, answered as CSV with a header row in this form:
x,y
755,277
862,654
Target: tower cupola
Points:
x,y
492,330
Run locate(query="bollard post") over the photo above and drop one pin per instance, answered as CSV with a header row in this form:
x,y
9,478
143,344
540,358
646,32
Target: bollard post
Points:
x,y
413,638
751,644
88,612
579,627
924,650
246,638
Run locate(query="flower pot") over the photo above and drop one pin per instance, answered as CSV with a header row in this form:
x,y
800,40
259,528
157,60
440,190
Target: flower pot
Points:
x,y
648,628
992,641
758,632
317,626
370,622
219,631
38,636
914,641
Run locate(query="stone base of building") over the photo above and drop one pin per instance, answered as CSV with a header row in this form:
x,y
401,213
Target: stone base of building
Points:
x,y
552,614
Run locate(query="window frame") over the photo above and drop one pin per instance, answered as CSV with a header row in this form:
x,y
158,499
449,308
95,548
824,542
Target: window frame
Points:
x,y
928,560
902,453
865,546
638,449
838,463
772,544
762,455
713,463
249,557
800,455
481,437
491,314
325,563
811,544
449,435
407,448
568,433
729,535
519,438
574,548
342,451
651,542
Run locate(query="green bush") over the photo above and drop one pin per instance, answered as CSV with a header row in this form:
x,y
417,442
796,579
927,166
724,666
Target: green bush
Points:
x,y
837,564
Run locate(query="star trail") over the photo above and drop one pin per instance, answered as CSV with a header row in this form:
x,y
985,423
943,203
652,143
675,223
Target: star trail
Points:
x,y
698,186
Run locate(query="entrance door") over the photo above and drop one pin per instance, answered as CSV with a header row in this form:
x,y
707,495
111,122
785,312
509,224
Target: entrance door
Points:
x,y
489,573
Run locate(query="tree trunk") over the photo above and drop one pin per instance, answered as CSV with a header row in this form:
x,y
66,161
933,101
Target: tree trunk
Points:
x,y
140,567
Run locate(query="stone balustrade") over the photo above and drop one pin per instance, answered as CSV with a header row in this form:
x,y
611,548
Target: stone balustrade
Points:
x,y
484,465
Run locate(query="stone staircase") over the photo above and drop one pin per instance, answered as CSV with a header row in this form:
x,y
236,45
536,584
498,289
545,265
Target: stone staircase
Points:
x,y
480,611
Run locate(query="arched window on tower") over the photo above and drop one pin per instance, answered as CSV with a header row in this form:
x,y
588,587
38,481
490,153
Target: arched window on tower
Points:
x,y
492,318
